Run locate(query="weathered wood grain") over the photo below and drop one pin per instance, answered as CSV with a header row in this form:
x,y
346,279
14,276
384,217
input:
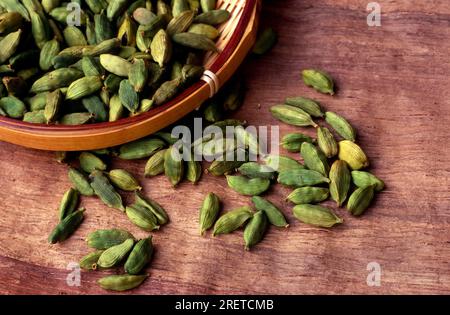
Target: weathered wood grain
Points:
x,y
392,85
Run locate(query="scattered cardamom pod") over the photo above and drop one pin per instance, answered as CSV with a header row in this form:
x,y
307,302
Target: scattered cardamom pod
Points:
x,y
90,162
173,166
140,149
140,256
293,141
352,153
255,229
314,158
292,115
69,203
105,191
256,170
66,227
155,164
142,217
341,125
232,220
363,179
80,182
209,212
326,142
301,178
305,195
104,239
360,200
275,216
121,282
122,179
316,215
308,105
153,206
89,262
282,163
340,181
114,255
318,80
248,186
265,41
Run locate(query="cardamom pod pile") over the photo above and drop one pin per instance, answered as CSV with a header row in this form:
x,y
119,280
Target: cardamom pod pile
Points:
x,y
120,59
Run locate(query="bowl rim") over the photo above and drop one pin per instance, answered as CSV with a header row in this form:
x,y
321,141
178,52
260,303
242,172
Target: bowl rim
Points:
x,y
224,55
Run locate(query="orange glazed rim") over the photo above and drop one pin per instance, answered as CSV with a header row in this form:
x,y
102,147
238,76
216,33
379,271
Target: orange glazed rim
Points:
x,y
29,134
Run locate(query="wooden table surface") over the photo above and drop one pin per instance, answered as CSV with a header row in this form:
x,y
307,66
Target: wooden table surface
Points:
x,y
393,85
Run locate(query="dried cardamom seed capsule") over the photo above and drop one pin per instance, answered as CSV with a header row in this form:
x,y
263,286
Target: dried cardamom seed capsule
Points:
x,y
265,42
115,65
195,41
56,79
9,45
75,119
146,105
314,159
143,16
193,170
256,170
36,117
363,179
50,50
116,108
105,191
10,22
155,165
326,142
191,73
341,125
232,220
95,106
74,37
292,115
178,7
127,31
128,96
121,282
360,200
293,141
52,107
318,80
91,66
66,227
301,178
104,239
213,17
340,181
153,206
142,217
167,91
122,179
90,162
213,111
180,23
173,165
209,212
208,5
37,102
308,105
69,203
13,107
114,255
316,215
275,216
282,163
304,195
161,48
115,8
80,182
138,75
140,149
204,29
83,87
352,153
139,257
255,229
219,168
89,262
248,186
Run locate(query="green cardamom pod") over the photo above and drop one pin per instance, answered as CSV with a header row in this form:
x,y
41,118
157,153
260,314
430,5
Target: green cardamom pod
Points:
x,y
16,6
293,141
69,203
115,65
115,8
13,107
248,186
116,109
161,48
128,96
351,153
127,31
341,125
74,36
75,119
37,102
84,87
292,115
142,217
316,215
10,22
360,200
314,158
304,195
326,141
204,29
256,170
173,166
114,255
318,80
155,164
193,170
179,6
140,149
80,182
36,117
105,191
363,179
209,212
121,282
9,45
138,75
108,61
89,262
180,23
153,206
266,41
143,16
90,162
50,50
275,216
95,106
255,229
56,79
208,5
104,239
167,91
282,163
122,179
232,220
195,41
308,105
228,164
52,107
91,66
139,257
247,139
213,17
340,181
66,227
301,178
